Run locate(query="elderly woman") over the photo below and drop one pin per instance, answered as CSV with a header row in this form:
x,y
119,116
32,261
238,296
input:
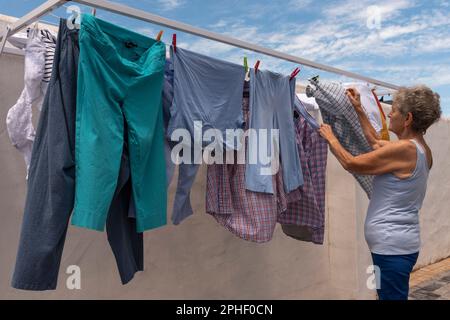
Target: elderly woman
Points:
x,y
401,170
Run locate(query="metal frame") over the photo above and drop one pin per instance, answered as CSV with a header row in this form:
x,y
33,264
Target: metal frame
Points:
x,y
148,17
14,51
34,15
6,32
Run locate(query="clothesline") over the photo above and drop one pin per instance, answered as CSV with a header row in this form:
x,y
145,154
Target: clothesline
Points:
x,y
51,5
89,182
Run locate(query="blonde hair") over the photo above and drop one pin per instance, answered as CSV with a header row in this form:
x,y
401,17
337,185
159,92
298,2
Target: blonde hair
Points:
x,y
422,102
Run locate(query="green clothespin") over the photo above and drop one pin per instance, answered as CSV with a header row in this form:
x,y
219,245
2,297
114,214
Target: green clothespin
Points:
x,y
314,79
245,64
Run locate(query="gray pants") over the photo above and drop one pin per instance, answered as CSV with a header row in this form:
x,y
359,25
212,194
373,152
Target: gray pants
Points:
x,y
51,185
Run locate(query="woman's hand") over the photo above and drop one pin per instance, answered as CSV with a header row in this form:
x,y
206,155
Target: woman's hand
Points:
x,y
327,133
354,97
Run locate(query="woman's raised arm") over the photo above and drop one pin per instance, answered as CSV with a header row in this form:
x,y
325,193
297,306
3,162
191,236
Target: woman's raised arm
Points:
x,y
370,133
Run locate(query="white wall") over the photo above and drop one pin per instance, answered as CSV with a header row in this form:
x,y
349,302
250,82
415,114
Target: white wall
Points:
x,y
435,214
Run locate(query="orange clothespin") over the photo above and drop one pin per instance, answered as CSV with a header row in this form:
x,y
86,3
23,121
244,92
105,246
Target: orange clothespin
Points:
x,y
174,42
257,65
158,37
94,11
294,73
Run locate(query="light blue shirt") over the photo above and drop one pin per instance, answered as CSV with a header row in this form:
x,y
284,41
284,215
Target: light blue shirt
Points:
x,y
272,98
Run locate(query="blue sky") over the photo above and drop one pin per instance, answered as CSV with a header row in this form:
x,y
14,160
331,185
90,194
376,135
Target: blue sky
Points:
x,y
409,44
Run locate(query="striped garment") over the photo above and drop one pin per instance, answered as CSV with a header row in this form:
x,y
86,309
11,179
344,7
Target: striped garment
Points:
x,y
338,112
50,45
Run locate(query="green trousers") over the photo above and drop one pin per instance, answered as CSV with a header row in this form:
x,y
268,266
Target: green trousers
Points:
x,y
120,79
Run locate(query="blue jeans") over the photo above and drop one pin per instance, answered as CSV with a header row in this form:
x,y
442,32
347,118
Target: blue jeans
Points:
x,y
394,275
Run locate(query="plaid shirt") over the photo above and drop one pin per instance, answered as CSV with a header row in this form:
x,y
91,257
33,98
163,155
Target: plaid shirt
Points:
x,y
338,112
304,218
249,215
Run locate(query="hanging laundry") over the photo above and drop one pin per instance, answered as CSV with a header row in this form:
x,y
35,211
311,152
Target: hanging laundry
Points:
x,y
182,208
338,112
38,52
50,45
372,108
369,104
271,107
304,218
126,243
51,185
308,102
19,40
249,215
186,172
120,79
167,103
206,91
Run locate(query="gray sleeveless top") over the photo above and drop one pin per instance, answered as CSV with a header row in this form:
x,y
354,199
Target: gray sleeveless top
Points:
x,y
392,222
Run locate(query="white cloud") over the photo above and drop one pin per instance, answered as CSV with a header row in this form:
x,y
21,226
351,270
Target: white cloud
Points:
x,y
170,4
433,75
396,31
207,47
148,31
354,10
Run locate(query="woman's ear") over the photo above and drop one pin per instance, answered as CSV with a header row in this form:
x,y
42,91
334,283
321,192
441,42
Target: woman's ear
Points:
x,y
408,119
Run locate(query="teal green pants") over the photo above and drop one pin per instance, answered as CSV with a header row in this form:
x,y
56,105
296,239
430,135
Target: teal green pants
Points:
x,y
120,79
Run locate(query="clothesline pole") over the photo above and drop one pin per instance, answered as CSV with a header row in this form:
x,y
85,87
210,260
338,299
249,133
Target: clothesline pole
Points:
x,y
5,34
155,19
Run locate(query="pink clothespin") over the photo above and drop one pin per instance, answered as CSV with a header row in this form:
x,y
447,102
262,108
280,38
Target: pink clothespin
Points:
x,y
94,11
294,73
257,65
174,42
